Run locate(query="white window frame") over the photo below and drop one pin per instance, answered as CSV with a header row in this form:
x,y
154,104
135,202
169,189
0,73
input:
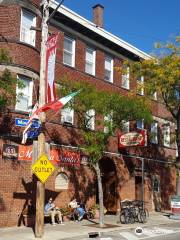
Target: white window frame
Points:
x,y
90,116
140,83
109,59
20,91
65,51
154,133
91,63
125,126
67,113
140,124
126,78
166,135
31,39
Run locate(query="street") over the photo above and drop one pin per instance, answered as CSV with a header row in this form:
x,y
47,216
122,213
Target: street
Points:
x,y
162,232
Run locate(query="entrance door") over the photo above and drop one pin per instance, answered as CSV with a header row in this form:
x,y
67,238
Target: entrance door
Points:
x,y
138,187
109,183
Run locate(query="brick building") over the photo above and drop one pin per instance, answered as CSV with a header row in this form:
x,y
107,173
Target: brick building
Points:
x,y
86,51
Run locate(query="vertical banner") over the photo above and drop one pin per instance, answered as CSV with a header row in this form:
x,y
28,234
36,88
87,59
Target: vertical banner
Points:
x,y
51,46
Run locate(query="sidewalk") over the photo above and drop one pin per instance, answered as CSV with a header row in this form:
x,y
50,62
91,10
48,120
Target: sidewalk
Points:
x,y
74,229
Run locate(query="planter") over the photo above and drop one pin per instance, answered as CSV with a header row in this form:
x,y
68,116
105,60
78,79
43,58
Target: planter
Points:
x,y
66,218
96,214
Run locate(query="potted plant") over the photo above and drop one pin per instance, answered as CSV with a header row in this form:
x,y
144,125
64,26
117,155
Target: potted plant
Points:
x,y
95,210
66,213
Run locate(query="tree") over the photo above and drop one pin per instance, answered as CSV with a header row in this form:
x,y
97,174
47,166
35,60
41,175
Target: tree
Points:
x,y
162,76
7,82
115,107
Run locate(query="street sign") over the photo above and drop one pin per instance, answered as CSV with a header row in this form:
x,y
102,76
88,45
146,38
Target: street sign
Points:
x,y
20,122
43,168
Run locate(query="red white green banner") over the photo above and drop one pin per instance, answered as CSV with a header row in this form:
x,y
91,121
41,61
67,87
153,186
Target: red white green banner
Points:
x,y
130,139
51,46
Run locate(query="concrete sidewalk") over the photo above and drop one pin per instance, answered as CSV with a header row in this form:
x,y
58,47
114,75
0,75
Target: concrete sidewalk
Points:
x,y
74,229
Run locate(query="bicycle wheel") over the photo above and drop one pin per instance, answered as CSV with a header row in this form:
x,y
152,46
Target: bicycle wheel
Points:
x,y
142,216
122,217
89,215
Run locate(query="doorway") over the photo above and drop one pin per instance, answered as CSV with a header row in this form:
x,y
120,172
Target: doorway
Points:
x,y
109,184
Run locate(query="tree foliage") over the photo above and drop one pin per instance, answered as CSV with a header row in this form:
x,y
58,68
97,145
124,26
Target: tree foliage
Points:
x,y
162,75
113,105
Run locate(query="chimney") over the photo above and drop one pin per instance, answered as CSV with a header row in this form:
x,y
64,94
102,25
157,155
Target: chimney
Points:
x,y
98,11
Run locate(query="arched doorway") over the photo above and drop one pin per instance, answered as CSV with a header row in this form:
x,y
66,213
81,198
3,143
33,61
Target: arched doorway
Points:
x,y
109,183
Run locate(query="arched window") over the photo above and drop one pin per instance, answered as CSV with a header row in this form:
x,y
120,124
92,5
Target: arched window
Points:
x,y
61,181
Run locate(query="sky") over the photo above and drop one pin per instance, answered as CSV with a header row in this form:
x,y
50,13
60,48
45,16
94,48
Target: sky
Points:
x,y
138,22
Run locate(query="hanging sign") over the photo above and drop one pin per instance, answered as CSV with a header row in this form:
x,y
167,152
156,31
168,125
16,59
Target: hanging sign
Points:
x,y
43,168
130,139
10,151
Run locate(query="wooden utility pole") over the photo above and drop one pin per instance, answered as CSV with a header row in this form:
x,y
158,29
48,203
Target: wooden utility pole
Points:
x,y
40,192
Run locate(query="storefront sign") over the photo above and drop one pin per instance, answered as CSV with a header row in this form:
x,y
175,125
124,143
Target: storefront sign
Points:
x,y
58,156
10,151
68,157
175,204
133,139
43,168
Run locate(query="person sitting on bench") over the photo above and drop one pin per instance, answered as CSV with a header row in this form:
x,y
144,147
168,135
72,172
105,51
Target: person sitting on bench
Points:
x,y
52,210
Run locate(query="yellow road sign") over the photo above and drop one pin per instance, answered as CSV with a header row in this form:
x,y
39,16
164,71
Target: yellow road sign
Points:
x,y
43,168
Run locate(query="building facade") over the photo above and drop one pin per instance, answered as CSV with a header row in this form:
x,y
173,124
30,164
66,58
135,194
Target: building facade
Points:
x,y
87,52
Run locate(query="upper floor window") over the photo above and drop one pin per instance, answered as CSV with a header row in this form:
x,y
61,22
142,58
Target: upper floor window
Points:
x,y
125,77
28,20
24,99
125,126
108,69
140,83
140,124
90,61
166,135
90,117
69,51
154,132
67,115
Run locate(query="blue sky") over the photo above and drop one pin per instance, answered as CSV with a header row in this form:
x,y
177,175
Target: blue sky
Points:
x,y
139,22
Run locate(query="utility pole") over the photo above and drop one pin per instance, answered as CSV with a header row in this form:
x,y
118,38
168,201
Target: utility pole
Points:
x,y
40,191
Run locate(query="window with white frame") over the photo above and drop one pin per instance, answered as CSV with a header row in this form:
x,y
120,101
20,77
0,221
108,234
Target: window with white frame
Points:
x,y
24,95
125,77
140,124
140,87
107,122
108,69
69,51
125,126
67,115
166,135
28,20
90,61
154,133
61,181
90,118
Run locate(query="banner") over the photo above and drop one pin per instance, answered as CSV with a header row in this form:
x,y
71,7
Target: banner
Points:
x,y
51,46
58,156
130,139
